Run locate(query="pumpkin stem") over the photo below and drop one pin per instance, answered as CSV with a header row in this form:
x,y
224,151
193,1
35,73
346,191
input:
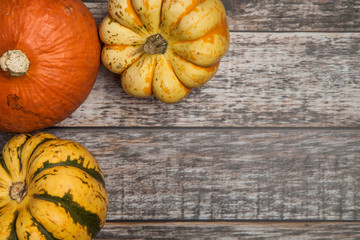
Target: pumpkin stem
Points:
x,y
18,191
14,61
155,44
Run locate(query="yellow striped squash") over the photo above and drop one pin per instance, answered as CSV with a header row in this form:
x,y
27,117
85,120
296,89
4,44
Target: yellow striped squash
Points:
x,y
50,189
164,47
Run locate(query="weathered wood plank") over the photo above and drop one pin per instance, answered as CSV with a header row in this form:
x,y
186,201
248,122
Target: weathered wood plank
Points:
x,y
275,15
231,230
218,174
265,79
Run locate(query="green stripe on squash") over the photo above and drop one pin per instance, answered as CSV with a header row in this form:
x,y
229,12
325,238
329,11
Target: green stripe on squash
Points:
x,y
19,149
3,165
72,163
40,143
48,235
13,235
78,213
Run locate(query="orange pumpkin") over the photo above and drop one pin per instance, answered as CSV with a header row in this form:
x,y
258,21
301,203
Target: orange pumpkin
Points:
x,y
164,47
49,57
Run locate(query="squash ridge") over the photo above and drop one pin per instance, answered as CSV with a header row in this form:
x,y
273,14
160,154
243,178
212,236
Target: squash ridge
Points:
x,y
72,163
30,160
3,165
41,228
79,214
13,235
19,150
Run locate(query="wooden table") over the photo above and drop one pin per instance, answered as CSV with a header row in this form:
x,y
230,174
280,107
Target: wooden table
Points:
x,y
268,149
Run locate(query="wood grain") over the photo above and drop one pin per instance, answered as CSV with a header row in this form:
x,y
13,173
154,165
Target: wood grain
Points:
x,y
232,160
226,174
265,79
231,230
278,15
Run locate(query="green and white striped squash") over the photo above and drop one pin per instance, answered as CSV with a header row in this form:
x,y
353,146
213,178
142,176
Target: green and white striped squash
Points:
x,y
50,189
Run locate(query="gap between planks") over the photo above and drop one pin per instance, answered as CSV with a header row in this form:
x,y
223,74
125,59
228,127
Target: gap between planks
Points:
x,y
231,230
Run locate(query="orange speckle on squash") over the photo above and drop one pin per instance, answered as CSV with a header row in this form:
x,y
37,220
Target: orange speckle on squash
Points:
x,y
220,29
130,10
163,87
147,90
117,47
188,9
149,78
146,4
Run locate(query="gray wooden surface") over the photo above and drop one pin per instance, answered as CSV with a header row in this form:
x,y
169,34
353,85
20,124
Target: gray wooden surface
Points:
x,y
268,149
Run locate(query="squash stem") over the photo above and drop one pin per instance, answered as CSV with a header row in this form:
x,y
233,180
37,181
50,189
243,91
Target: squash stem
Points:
x,y
18,191
155,44
15,62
